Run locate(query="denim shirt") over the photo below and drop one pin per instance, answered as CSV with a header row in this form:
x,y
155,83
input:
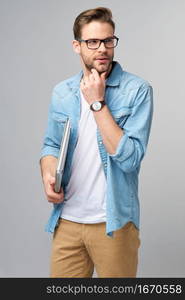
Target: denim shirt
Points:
x,y
130,101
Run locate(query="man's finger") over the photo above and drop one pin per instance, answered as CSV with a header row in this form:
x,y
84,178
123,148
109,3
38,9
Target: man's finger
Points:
x,y
53,200
95,74
103,75
52,194
50,189
51,180
91,77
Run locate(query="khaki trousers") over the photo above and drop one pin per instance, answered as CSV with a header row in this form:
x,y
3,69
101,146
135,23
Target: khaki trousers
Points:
x,y
77,248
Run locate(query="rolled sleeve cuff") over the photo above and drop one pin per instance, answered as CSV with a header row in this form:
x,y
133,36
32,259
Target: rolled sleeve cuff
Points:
x,y
124,149
48,150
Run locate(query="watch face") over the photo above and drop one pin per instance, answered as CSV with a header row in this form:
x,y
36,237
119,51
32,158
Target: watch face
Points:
x,y
97,105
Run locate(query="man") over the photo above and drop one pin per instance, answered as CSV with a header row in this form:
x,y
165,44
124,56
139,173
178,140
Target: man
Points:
x,y
110,112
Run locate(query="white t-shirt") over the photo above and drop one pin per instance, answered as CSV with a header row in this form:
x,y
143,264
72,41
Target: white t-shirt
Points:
x,y
86,190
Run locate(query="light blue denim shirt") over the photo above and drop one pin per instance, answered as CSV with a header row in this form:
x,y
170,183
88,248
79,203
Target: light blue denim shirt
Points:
x,y
130,101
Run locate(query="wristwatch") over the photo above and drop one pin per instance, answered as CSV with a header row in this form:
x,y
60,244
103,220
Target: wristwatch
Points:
x,y
97,105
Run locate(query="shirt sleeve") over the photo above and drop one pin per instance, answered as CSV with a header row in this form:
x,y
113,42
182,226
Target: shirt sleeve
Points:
x,y
132,145
50,144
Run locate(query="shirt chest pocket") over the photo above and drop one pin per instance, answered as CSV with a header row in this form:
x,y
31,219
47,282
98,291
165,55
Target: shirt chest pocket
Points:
x,y
121,116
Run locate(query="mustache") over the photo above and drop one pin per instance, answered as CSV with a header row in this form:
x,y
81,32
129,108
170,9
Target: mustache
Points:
x,y
102,57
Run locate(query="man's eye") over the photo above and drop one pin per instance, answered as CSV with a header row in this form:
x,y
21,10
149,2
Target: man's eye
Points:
x,y
109,41
92,42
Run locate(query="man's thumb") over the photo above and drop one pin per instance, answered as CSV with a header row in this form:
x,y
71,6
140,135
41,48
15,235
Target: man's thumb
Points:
x,y
52,180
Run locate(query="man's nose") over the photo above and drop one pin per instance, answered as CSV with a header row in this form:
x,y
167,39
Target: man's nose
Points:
x,y
102,47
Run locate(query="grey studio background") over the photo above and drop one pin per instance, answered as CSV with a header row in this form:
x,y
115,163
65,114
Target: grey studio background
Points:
x,y
35,54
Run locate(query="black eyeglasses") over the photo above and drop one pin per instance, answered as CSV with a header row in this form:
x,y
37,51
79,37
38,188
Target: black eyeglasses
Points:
x,y
95,43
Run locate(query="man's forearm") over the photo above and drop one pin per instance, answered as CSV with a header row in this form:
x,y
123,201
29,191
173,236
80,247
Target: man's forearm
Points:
x,y
93,88
48,165
111,133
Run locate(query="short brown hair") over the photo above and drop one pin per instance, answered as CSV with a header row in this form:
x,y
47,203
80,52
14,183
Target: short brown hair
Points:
x,y
101,14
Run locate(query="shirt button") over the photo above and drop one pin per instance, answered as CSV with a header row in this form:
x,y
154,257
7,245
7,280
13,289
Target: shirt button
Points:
x,y
105,165
100,142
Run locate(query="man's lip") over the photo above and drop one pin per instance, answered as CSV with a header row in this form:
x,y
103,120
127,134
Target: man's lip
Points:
x,y
102,58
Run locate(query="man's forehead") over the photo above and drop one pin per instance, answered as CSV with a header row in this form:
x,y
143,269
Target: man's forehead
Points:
x,y
98,30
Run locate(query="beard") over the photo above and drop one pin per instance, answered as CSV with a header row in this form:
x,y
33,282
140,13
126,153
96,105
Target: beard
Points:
x,y
100,67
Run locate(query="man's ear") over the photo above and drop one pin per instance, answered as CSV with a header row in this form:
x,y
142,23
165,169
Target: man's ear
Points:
x,y
76,46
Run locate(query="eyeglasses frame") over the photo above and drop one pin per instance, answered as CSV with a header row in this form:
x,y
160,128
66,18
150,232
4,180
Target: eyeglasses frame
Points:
x,y
100,40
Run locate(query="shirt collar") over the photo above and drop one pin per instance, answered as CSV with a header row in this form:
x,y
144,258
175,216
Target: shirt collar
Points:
x,y
115,75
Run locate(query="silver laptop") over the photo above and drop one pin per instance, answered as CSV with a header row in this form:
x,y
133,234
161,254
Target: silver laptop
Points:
x,y
62,157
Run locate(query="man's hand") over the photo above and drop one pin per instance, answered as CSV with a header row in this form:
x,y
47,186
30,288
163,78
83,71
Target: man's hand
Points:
x,y
52,196
93,86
